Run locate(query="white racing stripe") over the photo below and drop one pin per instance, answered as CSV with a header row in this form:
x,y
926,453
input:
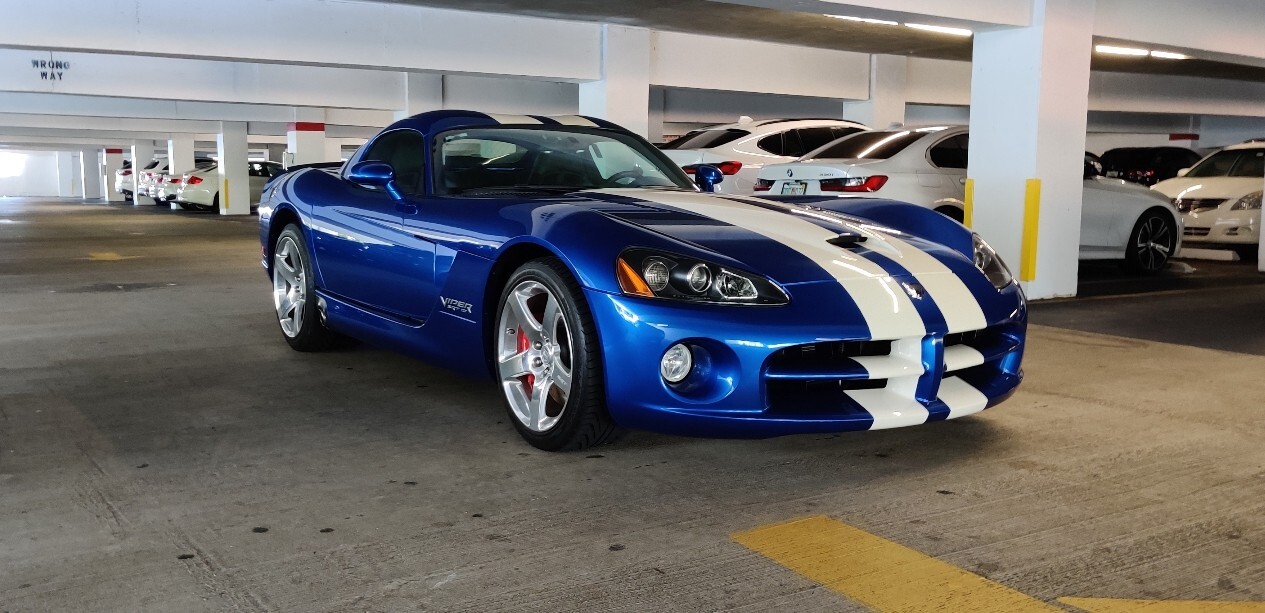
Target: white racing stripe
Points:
x,y
513,119
573,120
889,409
961,397
887,310
957,304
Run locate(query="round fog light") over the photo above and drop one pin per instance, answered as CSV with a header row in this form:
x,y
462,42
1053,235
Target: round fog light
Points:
x,y
676,363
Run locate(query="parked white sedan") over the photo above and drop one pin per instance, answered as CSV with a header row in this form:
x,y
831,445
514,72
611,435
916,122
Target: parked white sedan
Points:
x,y
740,149
1220,199
927,166
200,190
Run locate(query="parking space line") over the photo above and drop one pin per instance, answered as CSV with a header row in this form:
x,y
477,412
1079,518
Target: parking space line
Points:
x,y
878,573
1112,605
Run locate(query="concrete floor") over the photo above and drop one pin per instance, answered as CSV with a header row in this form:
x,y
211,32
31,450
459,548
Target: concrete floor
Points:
x,y
161,449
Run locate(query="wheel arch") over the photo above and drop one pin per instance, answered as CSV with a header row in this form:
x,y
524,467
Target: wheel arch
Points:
x,y
502,268
281,217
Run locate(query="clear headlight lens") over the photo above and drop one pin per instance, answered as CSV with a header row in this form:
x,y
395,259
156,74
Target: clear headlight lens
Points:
x,y
990,264
655,274
1250,202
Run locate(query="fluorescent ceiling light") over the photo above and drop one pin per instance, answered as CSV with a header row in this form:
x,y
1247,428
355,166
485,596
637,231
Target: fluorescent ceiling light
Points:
x,y
881,22
1110,50
1169,55
940,29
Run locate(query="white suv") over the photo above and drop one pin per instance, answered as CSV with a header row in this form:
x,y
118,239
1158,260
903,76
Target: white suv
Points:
x,y
1220,199
741,149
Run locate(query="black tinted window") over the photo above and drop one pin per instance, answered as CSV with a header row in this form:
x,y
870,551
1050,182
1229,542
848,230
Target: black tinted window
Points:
x,y
1241,163
815,138
950,153
841,131
404,151
870,145
772,144
706,139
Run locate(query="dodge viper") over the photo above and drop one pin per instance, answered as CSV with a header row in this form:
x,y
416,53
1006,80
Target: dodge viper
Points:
x,y
573,264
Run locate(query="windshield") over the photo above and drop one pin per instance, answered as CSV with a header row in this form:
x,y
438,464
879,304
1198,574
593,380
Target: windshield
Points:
x,y
1237,163
484,161
706,139
868,145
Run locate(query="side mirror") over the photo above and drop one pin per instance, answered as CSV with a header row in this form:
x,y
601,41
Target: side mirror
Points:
x,y
706,177
377,175
1183,172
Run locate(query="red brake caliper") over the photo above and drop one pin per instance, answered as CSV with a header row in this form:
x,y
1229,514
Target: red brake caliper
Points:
x,y
523,345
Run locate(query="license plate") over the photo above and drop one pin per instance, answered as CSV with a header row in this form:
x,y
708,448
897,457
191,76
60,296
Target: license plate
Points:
x,y
1113,173
794,188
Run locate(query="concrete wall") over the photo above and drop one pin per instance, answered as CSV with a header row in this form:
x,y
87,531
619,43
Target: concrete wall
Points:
x,y
28,173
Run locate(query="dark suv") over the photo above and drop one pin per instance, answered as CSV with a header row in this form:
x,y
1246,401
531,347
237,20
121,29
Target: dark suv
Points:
x,y
1147,165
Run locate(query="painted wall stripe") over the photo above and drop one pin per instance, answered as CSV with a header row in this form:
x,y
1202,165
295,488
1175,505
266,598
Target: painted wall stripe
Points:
x,y
305,126
880,574
1031,219
968,204
513,119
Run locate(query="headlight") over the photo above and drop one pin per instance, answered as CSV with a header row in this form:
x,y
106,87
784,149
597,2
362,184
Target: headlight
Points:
x,y
990,264
1250,202
655,274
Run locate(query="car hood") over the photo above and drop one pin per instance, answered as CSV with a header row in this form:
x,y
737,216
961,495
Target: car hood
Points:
x,y
786,242
1125,188
1208,187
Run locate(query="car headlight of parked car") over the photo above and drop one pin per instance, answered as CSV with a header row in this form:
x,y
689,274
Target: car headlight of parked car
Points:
x,y
656,274
990,264
1250,202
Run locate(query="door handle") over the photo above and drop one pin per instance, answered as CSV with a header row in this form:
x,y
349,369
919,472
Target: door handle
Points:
x,y
405,208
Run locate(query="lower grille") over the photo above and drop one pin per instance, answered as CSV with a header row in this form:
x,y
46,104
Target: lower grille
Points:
x,y
1190,205
1196,231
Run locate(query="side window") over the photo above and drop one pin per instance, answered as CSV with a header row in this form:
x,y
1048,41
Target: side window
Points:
x,y
840,131
472,163
404,150
772,144
792,145
951,152
815,138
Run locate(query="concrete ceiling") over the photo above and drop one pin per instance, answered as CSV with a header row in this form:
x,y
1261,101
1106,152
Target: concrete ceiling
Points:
x,y
807,29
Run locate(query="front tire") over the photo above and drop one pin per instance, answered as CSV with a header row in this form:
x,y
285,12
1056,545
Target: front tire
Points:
x,y
1151,243
1247,253
548,360
294,294
952,212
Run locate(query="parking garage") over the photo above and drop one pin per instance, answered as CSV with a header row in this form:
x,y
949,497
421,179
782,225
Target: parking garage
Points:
x,y
162,448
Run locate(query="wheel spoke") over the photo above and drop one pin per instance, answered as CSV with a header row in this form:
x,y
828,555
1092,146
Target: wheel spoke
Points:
x,y
562,379
549,320
536,407
513,366
518,304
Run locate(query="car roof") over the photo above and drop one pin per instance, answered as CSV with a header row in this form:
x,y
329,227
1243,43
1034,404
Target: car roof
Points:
x,y
1247,145
787,124
433,122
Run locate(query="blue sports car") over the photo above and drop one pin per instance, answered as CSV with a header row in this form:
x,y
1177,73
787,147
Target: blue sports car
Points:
x,y
578,267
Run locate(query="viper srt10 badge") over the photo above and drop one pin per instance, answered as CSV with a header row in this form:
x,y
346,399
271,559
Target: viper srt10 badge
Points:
x,y
457,305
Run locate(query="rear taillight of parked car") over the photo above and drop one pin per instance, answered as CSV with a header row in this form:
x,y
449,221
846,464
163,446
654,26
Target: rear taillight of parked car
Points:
x,y
194,180
127,172
872,183
726,168
764,185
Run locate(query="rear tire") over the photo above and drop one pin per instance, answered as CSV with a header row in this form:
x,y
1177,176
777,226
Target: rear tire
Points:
x,y
1248,253
294,294
549,360
1151,243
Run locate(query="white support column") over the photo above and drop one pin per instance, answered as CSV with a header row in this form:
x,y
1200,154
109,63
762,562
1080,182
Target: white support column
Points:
x,y
333,150
69,175
234,178
657,111
91,175
305,137
1029,101
622,95
113,158
422,92
142,155
886,106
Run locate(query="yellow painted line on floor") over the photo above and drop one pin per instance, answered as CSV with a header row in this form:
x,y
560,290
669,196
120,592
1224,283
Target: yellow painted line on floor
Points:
x,y
109,256
880,574
1114,605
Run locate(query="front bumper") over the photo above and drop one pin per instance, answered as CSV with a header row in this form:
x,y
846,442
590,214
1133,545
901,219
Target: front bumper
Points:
x,y
772,371
1216,229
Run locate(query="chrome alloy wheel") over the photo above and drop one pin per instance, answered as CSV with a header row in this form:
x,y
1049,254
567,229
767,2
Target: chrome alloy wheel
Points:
x,y
534,355
289,289
1154,243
